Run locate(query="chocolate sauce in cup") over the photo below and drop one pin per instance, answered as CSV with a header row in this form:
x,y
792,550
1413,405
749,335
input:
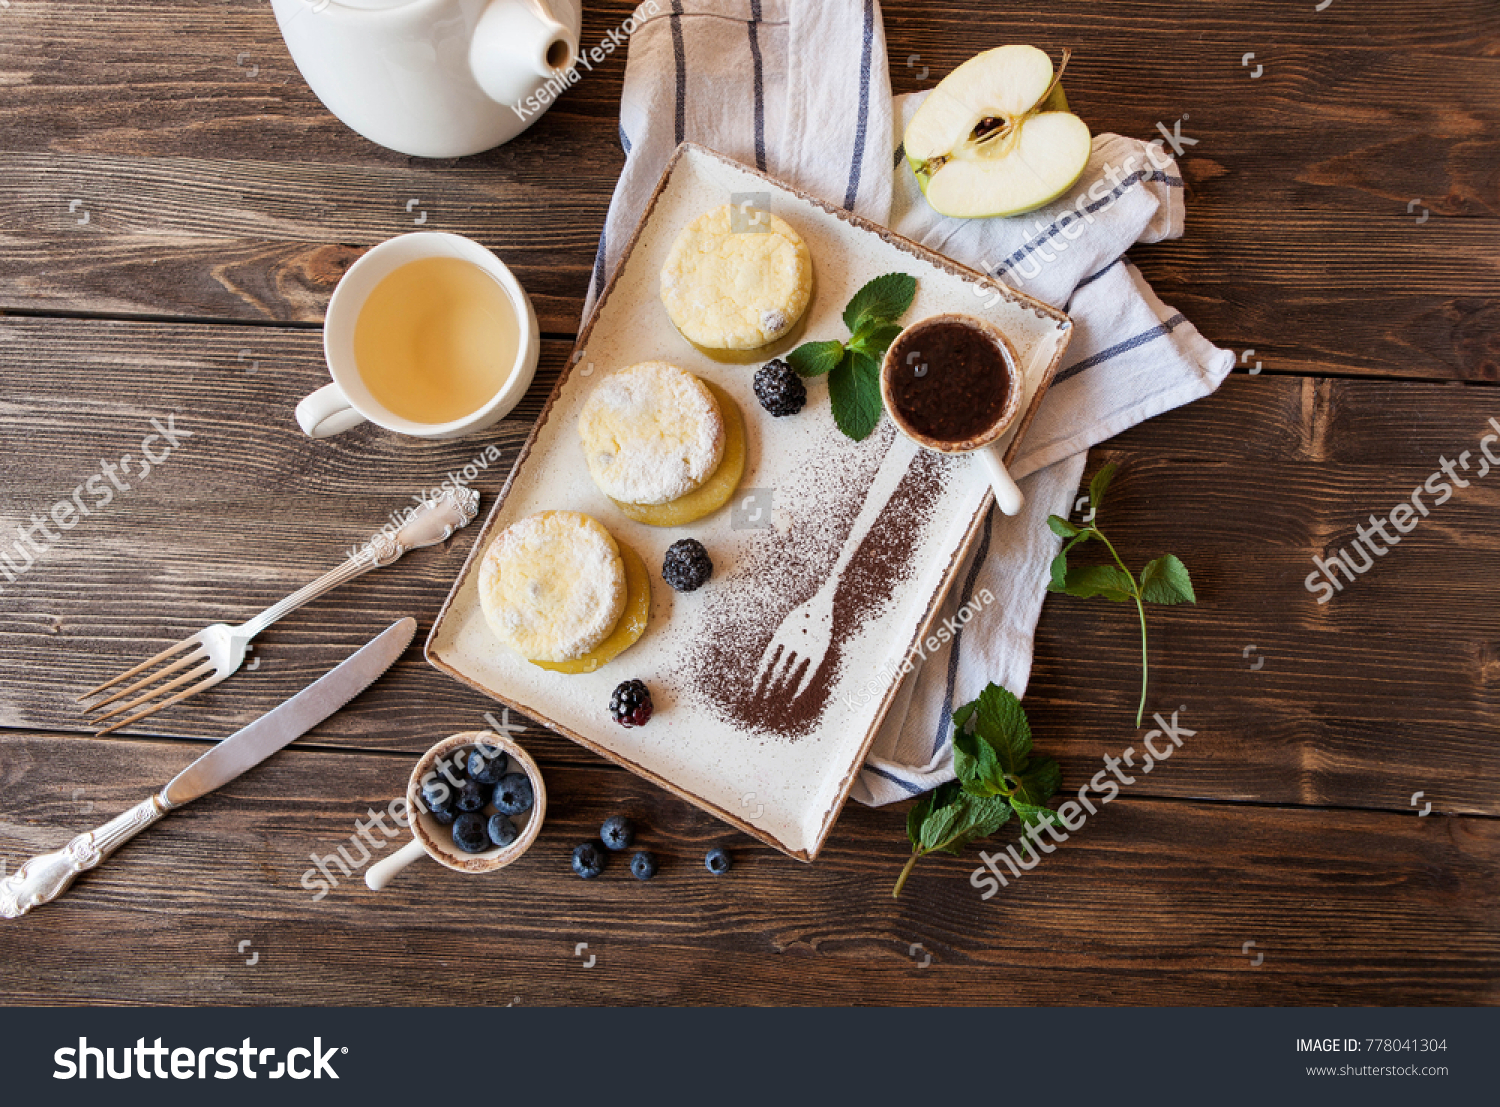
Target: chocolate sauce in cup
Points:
x,y
951,383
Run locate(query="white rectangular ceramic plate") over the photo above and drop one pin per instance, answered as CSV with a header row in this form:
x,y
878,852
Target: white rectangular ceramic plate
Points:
x,y
777,767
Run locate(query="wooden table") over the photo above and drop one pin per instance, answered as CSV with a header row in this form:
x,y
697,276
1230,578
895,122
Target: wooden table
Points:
x,y
175,208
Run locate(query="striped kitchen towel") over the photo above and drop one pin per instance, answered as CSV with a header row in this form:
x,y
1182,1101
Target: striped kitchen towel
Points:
x,y
800,89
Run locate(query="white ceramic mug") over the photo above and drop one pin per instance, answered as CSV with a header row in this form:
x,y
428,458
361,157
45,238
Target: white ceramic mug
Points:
x,y
346,402
984,445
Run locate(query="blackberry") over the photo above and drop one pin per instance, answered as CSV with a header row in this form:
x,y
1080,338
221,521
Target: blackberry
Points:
x,y
686,565
630,704
779,389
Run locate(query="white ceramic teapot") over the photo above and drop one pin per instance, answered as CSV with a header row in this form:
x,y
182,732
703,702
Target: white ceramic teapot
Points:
x,y
434,78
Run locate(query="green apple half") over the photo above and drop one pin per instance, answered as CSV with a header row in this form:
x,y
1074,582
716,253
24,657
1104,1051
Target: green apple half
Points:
x,y
995,137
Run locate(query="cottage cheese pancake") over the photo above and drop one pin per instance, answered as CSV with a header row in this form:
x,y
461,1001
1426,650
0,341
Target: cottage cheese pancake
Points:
x,y
728,289
651,433
552,585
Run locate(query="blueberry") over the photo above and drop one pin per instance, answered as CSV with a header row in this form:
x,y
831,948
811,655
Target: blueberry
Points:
x,y
589,860
472,796
717,861
455,762
643,866
469,833
502,831
487,764
617,833
513,795
439,799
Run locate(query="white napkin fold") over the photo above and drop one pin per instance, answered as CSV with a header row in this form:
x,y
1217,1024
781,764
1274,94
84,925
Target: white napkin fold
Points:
x,y
799,89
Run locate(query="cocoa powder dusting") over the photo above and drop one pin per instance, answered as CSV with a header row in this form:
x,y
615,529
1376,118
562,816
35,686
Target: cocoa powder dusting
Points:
x,y
742,618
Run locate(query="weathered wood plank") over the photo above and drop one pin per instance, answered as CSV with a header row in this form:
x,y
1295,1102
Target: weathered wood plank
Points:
x,y
1150,902
1389,688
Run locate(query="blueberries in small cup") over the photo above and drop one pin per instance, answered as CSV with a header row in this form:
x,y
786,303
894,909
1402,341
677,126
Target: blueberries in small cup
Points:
x,y
717,861
513,795
502,831
686,566
472,796
643,866
487,764
589,860
617,833
470,833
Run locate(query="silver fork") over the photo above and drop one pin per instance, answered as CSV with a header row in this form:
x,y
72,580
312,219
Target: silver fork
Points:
x,y
801,642
217,651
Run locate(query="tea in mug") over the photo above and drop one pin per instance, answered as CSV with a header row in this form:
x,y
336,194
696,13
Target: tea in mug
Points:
x,y
436,339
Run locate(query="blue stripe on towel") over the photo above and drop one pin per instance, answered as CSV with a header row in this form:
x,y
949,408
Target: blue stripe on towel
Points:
x,y
679,54
760,93
598,281
904,785
1072,216
624,140
862,126
1141,339
945,719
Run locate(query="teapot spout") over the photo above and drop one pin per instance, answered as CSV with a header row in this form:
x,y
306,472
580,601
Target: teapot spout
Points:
x,y
516,41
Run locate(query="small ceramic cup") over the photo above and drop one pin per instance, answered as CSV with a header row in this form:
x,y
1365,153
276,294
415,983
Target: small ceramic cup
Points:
x,y
346,402
983,445
432,838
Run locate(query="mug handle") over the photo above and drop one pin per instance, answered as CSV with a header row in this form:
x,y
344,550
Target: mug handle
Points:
x,y
327,412
1008,495
379,874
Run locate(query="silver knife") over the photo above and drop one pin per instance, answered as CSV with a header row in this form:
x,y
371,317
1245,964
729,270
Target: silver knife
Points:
x,y
44,878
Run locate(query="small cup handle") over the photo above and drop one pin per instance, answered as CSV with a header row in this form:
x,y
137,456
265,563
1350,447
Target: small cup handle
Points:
x,y
327,412
378,875
1008,495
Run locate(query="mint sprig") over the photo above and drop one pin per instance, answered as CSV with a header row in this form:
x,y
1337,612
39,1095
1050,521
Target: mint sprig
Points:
x,y
1164,580
997,777
853,367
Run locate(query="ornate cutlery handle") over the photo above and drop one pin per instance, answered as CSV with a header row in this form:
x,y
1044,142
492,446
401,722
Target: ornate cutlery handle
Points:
x,y
436,520
44,878
433,522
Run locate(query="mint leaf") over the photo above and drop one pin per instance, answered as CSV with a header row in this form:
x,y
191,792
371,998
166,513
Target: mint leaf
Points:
x,y
916,817
1000,720
1099,580
1166,580
1060,562
813,359
977,766
885,298
1038,782
854,393
1098,485
874,338
943,824
1034,814
1061,527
